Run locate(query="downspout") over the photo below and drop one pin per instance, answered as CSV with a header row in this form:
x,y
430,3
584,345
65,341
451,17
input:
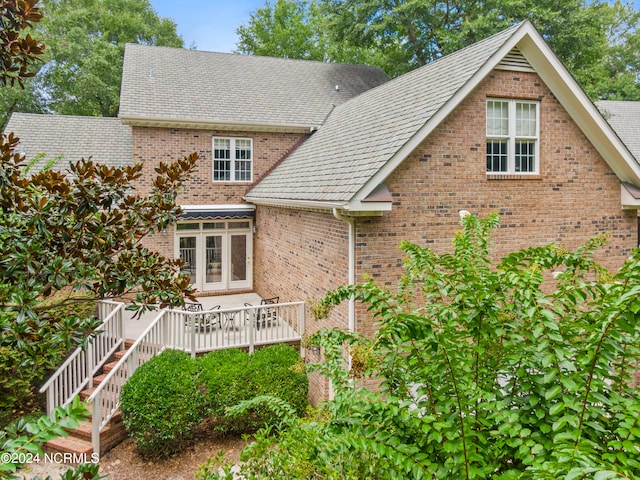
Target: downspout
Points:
x,y
352,269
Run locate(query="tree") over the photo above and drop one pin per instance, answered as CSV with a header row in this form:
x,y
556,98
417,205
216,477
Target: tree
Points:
x,y
522,370
596,41
81,70
297,29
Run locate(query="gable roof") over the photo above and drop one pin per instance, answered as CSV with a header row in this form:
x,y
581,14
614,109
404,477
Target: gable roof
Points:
x,y
624,117
365,139
174,87
104,139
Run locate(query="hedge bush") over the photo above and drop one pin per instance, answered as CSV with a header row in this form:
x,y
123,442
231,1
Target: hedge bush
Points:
x,y
225,378
279,371
232,376
162,404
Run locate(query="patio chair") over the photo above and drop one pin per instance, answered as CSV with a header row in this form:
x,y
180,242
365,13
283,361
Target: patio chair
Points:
x,y
264,316
209,319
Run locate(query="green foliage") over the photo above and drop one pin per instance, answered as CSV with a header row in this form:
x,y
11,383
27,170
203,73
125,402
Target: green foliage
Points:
x,y
161,404
23,439
224,376
520,370
233,376
18,50
66,241
278,371
597,41
168,396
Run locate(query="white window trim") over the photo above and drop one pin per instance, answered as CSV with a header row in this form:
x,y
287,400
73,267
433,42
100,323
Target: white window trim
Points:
x,y
232,160
511,138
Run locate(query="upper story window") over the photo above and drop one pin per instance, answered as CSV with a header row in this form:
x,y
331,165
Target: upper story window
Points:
x,y
512,136
232,159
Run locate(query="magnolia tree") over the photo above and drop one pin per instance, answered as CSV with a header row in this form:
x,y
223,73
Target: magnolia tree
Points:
x,y
67,239
520,370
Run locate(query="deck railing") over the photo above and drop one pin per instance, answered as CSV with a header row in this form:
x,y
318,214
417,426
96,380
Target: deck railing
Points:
x,y
79,368
247,327
195,332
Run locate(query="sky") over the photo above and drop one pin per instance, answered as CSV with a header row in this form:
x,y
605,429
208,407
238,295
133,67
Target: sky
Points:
x,y
208,24
211,24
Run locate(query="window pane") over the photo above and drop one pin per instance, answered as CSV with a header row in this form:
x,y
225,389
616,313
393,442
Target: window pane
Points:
x,y
221,148
221,170
188,256
213,226
221,159
496,156
525,120
497,118
239,224
525,156
214,259
188,226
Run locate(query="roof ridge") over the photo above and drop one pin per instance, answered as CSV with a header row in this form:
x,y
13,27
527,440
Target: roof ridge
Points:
x,y
266,57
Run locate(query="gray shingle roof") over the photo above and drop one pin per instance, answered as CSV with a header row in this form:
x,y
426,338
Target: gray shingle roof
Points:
x,y
361,135
106,140
624,118
173,83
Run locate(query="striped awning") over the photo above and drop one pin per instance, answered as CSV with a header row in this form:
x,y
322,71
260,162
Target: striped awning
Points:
x,y
216,212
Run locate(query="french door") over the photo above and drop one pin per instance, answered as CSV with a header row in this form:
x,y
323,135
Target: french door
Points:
x,y
216,255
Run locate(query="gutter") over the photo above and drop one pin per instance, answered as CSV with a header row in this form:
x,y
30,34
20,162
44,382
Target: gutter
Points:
x,y
352,268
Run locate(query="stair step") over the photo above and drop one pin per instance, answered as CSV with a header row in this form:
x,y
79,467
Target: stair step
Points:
x,y
109,366
128,342
119,354
70,445
84,394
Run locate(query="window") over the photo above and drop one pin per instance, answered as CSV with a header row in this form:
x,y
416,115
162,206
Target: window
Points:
x,y
512,136
232,159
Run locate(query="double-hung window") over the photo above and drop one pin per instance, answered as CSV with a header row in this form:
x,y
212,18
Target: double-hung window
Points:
x,y
232,159
512,136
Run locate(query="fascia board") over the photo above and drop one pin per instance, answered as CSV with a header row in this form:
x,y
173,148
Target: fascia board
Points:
x,y
455,100
580,107
196,124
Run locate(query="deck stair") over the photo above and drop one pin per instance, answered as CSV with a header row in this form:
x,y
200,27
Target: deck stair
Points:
x,y
78,442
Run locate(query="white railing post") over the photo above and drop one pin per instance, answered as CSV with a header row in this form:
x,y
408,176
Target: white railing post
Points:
x,y
192,326
96,421
301,328
252,326
90,356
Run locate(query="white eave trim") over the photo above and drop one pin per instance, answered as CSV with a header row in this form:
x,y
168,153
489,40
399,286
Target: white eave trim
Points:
x,y
242,207
169,122
352,208
628,200
442,113
562,85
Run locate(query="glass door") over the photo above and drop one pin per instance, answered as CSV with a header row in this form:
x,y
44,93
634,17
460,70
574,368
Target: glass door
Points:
x,y
214,262
240,261
189,254
216,255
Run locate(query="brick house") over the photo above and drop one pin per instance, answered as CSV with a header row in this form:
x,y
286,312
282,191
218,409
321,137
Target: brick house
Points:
x,y
310,174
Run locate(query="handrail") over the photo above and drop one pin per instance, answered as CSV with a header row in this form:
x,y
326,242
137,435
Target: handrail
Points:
x,y
131,359
78,369
176,329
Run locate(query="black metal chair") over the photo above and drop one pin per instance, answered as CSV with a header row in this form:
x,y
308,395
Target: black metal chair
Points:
x,y
264,316
209,319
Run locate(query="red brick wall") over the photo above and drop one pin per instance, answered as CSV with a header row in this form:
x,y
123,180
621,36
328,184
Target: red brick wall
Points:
x,y
154,145
300,255
575,196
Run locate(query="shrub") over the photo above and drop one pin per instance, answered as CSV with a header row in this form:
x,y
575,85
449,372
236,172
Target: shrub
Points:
x,y
224,376
520,369
278,371
233,376
161,404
